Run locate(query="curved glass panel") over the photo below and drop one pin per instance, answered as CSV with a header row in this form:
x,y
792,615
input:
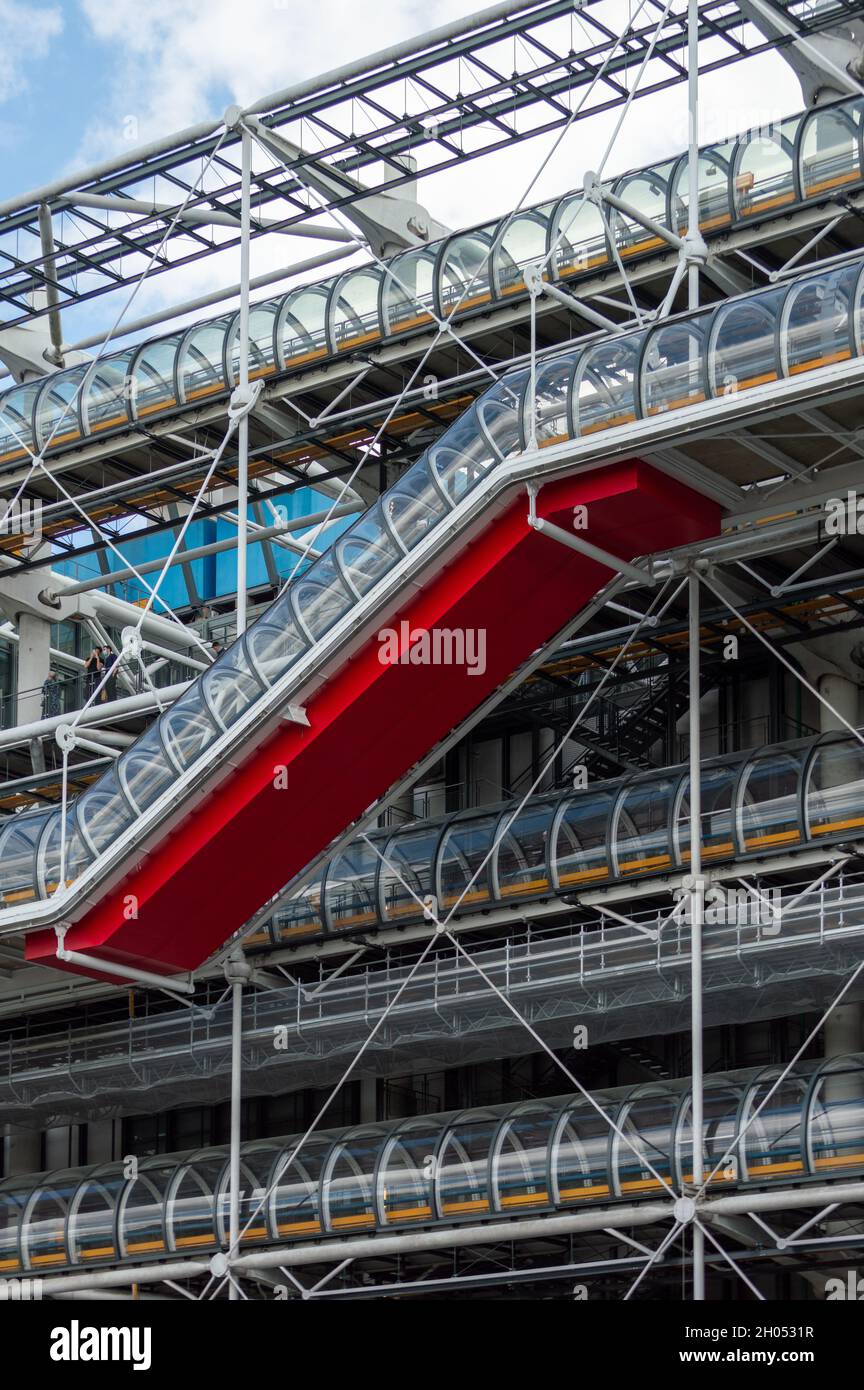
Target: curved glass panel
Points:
x,y
354,318
744,349
770,806
273,648
835,789
16,421
103,812
642,831
464,863
201,360
674,367
830,149
295,1203
301,329
302,916
765,173
552,397
647,193
57,415
141,1210
19,838
406,874
715,202
350,900
580,1157
643,1157
262,342
414,505
836,1122
145,770
817,323
91,1218
464,457
105,394
11,1208
462,1170
520,1178
522,856
230,686
464,280
720,1144
405,1175
367,551
255,1169
578,238
188,728
43,1228
521,243
322,597
408,296
153,378
349,1199
774,1140
580,840
604,387
191,1205
718,816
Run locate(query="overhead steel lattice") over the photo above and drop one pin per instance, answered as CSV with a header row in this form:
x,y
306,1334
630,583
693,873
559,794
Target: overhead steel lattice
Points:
x,y
509,73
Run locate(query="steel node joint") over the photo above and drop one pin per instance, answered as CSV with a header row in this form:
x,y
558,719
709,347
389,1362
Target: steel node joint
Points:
x,y
243,400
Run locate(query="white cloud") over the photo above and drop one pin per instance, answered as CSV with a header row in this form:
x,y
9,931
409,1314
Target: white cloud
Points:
x,y
27,32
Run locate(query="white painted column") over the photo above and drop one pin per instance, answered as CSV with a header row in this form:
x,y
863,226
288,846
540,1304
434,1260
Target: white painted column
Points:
x,y
34,661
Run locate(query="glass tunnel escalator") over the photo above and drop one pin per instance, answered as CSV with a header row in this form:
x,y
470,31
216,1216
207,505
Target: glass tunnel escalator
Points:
x,y
811,323
476,1166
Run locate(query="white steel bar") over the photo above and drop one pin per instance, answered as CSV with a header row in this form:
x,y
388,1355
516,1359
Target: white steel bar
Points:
x,y
697,911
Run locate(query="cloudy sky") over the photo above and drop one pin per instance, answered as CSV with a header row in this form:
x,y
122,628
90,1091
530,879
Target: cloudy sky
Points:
x,y
76,76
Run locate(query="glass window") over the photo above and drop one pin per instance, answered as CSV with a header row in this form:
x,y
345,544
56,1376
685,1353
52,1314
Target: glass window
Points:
x,y
409,290
715,209
91,1217
744,347
43,1231
153,386
522,855
580,839
406,874
721,1105
647,193
57,408
770,814
301,331
354,316
645,1162
816,326
499,411
641,837
11,1207
465,277
578,238
521,243
835,789
673,367
16,421
462,1170
414,505
262,344
275,645
350,900
201,360
463,876
520,1159
830,149
463,457
765,169
255,1168
141,1213
188,728
105,394
604,388
77,853
191,1204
